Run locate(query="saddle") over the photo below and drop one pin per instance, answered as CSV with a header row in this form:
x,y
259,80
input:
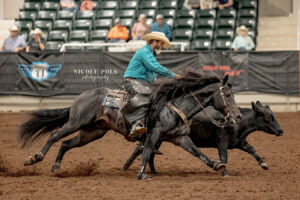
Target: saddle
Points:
x,y
116,99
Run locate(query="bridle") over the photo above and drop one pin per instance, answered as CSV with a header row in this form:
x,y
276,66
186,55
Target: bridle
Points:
x,y
227,119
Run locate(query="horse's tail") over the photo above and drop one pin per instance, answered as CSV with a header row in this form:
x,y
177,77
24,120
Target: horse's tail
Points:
x,y
41,123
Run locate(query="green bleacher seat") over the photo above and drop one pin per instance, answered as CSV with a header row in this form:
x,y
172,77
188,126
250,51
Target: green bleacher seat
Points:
x,y
98,35
184,23
227,13
167,13
248,22
225,23
126,14
203,44
33,0
252,33
203,34
27,15
128,22
150,13
66,15
95,48
148,5
222,44
53,46
170,22
79,35
83,24
25,35
33,6
187,44
43,25
87,14
24,25
96,5
61,36
247,13
207,14
168,4
128,5
103,24
63,25
182,34
186,14
247,4
46,15
205,23
224,34
52,6
75,48
109,5
106,14
149,21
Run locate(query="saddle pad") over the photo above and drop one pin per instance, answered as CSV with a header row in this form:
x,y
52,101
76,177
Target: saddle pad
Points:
x,y
111,102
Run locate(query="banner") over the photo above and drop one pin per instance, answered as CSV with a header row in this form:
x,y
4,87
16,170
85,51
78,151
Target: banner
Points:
x,y
71,73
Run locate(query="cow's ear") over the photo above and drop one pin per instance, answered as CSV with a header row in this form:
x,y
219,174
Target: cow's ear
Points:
x,y
225,79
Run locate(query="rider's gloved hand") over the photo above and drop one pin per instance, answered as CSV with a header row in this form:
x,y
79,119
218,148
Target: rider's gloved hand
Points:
x,y
178,76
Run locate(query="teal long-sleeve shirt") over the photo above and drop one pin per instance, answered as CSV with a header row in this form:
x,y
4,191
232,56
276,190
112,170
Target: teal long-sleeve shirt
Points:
x,y
144,66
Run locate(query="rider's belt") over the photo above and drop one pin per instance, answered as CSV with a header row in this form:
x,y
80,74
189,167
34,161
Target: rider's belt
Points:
x,y
187,123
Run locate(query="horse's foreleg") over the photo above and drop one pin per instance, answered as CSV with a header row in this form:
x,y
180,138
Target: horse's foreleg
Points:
x,y
223,154
138,150
151,161
186,143
86,135
245,146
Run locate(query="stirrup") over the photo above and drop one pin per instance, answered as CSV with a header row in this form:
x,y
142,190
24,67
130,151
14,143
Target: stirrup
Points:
x,y
137,131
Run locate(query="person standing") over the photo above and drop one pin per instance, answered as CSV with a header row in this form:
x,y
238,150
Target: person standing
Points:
x,y
37,43
160,26
15,42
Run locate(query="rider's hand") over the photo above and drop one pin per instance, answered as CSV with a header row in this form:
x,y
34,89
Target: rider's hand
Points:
x,y
178,76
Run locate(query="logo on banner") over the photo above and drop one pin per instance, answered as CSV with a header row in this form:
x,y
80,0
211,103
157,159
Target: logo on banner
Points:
x,y
39,71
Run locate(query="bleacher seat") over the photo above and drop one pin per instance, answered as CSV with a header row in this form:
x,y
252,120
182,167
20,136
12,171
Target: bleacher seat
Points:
x,y
63,25
225,23
170,22
205,23
148,5
126,14
182,34
98,35
128,5
203,44
247,4
203,34
149,21
86,15
51,6
168,4
82,24
106,14
252,33
184,23
95,5
150,13
74,48
103,24
25,35
227,13
53,46
248,22
207,14
46,15
186,14
128,22
27,15
186,45
65,15
224,34
222,44
24,25
61,36
43,25
32,6
168,13
109,5
247,13
79,35
95,48
33,0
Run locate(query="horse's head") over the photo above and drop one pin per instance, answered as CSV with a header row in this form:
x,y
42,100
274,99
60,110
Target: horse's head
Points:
x,y
223,100
265,119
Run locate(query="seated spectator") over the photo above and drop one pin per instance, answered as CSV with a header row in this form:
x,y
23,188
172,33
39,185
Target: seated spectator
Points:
x,y
206,4
118,33
242,42
140,28
15,42
221,4
191,4
160,26
68,5
37,43
87,5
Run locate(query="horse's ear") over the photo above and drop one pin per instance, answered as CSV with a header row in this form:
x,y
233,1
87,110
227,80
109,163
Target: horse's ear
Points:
x,y
253,106
225,79
259,103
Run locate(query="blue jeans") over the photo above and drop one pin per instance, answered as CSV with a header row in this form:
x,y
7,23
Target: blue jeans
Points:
x,y
74,9
117,40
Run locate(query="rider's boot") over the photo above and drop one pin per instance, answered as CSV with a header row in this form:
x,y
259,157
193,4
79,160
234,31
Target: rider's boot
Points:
x,y
137,129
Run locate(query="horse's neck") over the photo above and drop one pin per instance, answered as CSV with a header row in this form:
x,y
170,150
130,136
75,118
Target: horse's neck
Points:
x,y
247,125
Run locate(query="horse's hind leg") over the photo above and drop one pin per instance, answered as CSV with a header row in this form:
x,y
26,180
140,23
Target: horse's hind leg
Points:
x,y
186,143
151,160
86,135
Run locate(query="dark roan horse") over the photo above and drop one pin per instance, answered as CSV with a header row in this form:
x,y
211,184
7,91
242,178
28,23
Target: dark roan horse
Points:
x,y
205,134
88,115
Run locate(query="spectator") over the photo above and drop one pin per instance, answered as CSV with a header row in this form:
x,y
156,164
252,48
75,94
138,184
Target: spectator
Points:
x,y
118,33
15,42
68,5
242,42
221,4
37,43
206,4
140,28
160,26
192,4
87,5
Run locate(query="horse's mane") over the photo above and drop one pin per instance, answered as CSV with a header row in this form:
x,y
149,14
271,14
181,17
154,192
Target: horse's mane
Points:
x,y
172,88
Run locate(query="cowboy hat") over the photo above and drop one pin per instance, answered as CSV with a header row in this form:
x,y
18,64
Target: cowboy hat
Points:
x,y
158,36
37,31
14,28
241,28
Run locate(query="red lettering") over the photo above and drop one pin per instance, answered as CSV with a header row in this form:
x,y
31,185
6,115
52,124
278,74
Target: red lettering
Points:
x,y
224,67
210,68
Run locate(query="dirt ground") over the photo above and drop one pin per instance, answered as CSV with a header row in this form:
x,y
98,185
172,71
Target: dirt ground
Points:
x,y
95,170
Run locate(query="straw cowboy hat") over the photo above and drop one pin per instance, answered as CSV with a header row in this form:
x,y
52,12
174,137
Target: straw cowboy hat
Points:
x,y
158,36
37,31
241,28
14,28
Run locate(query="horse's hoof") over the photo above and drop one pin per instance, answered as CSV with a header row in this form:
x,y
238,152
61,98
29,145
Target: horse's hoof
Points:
x,y
225,174
264,166
55,167
34,159
143,177
155,172
219,166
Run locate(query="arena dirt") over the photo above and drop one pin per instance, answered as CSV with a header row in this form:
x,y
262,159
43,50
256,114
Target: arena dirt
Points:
x,y
95,170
